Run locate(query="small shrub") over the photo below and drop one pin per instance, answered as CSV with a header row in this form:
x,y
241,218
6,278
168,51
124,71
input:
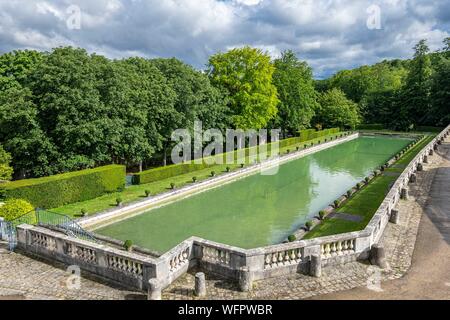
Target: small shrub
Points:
x,y
375,173
336,203
14,208
213,173
318,142
227,169
128,245
194,179
287,151
349,193
382,168
172,185
83,212
242,165
292,238
118,201
297,148
358,185
322,214
366,179
308,225
147,193
305,146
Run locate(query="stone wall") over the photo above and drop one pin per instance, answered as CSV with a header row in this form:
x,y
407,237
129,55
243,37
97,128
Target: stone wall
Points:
x,y
136,270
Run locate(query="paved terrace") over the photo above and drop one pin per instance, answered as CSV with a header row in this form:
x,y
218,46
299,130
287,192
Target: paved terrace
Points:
x,y
420,271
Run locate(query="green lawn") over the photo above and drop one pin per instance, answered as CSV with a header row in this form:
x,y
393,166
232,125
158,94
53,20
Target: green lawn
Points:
x,y
136,192
366,202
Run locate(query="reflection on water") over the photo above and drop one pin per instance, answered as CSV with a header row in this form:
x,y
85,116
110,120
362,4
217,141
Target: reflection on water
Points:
x,y
260,210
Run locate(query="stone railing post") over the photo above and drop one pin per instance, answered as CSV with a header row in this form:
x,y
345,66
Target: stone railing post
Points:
x,y
154,289
412,178
315,266
378,256
245,279
419,167
395,217
200,284
425,159
404,193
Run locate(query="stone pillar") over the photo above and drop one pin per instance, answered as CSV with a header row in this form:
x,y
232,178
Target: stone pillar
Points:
x,y
431,152
200,284
412,178
419,167
245,279
395,217
378,256
315,266
425,159
404,194
154,289
435,147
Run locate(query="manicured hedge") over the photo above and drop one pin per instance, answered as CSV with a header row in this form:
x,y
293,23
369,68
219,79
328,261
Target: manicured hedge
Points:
x,y
160,173
371,126
429,129
61,189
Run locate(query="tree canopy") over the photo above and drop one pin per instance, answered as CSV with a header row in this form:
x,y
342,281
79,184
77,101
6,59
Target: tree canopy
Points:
x,y
336,110
295,86
246,75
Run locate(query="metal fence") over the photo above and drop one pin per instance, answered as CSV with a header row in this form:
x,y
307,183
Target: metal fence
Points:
x,y
43,218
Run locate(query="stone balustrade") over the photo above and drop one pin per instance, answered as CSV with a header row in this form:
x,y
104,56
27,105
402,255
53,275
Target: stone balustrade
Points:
x,y
142,272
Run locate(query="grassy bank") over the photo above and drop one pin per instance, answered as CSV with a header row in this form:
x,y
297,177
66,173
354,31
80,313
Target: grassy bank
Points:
x,y
136,192
366,202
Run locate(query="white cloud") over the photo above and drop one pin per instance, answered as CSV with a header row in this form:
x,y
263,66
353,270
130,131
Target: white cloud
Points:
x,y
330,35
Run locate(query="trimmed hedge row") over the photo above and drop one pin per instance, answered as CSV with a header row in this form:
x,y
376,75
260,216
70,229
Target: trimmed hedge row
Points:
x,y
429,129
172,170
57,190
160,173
371,126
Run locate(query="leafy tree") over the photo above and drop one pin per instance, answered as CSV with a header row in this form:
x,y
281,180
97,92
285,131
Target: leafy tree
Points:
x,y
414,99
21,135
70,111
5,169
335,110
141,105
295,87
246,75
195,99
440,89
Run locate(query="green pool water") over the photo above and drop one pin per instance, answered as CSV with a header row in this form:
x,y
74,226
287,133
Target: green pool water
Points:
x,y
260,209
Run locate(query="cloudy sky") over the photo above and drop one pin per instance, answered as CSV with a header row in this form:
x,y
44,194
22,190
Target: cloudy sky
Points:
x,y
330,35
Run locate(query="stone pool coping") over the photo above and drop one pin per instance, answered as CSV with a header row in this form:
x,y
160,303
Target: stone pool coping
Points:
x,y
118,214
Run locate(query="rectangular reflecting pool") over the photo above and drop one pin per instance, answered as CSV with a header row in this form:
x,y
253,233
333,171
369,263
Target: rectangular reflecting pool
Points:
x,y
260,210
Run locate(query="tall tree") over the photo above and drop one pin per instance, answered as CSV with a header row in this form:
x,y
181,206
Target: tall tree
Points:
x,y
246,74
335,110
415,95
440,89
295,87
